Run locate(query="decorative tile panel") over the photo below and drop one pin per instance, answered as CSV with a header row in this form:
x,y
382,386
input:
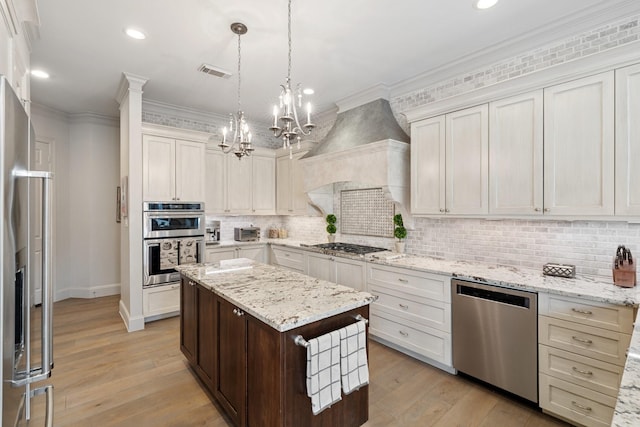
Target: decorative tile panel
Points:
x,y
366,212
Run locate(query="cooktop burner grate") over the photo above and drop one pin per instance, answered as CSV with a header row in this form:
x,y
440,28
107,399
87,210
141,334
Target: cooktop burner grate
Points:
x,y
349,248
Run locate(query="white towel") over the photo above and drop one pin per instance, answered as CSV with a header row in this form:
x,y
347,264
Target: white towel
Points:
x,y
323,371
353,357
188,251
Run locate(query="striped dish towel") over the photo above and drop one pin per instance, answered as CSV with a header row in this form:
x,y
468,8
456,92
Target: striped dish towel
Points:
x,y
323,371
353,357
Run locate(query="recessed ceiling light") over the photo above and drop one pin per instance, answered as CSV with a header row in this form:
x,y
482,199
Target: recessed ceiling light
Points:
x,y
484,4
135,34
41,74
308,91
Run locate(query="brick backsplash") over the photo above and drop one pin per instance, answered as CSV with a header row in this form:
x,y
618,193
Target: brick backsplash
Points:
x,y
262,137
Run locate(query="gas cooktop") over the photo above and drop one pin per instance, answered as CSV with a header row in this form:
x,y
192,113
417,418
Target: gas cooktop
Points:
x,y
348,248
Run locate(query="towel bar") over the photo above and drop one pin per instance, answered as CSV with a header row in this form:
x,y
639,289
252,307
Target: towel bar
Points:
x,y
300,341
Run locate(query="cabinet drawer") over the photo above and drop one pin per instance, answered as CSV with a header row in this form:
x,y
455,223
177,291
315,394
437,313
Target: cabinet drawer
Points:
x,y
584,371
428,342
608,316
290,259
417,283
576,403
598,343
161,300
431,313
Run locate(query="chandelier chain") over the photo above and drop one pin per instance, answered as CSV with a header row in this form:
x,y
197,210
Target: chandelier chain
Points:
x,y
289,35
239,75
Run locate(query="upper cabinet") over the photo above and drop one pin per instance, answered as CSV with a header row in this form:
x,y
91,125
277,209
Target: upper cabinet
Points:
x,y
579,147
515,155
291,197
172,169
245,186
549,152
628,140
449,163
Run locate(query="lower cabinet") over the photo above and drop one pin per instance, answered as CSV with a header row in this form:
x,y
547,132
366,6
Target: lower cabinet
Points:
x,y
412,312
581,351
255,373
343,271
255,252
292,259
161,301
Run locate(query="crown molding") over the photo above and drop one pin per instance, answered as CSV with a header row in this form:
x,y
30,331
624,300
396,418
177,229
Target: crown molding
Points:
x,y
555,31
570,70
178,111
46,111
94,118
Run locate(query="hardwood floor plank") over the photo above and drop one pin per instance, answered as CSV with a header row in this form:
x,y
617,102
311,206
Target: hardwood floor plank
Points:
x,y
105,376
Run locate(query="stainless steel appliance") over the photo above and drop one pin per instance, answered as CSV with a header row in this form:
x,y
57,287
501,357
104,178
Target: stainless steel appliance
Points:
x,y
23,366
246,234
173,235
213,232
347,248
495,338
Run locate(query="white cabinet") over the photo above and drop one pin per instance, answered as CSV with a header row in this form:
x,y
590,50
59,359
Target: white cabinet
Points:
x,y
449,163
255,252
161,301
627,141
292,259
245,186
172,169
582,347
343,271
412,312
291,198
264,185
579,147
516,155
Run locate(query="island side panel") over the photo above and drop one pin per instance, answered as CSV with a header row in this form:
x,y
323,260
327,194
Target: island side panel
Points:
x,y
265,367
351,411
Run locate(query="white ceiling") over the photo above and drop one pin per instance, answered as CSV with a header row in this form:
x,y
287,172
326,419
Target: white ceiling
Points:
x,y
339,47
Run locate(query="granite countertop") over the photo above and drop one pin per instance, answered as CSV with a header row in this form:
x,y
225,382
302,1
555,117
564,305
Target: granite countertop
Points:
x,y
281,298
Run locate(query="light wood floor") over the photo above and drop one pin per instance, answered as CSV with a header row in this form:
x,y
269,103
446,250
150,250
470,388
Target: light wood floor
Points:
x,y
104,376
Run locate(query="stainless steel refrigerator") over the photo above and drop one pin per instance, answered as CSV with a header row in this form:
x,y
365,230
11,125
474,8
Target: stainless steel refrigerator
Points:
x,y
27,344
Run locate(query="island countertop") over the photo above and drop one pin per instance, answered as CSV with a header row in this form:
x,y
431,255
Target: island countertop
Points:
x,y
281,298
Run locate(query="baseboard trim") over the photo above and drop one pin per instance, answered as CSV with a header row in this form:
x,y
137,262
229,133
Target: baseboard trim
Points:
x,y
132,323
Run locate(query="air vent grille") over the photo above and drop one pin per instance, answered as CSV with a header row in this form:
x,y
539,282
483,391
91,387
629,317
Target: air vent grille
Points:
x,y
214,71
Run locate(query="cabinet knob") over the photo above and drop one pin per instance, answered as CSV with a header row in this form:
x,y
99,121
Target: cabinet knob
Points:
x,y
403,333
331,259
400,279
404,306
442,210
238,312
546,209
191,283
537,209
446,210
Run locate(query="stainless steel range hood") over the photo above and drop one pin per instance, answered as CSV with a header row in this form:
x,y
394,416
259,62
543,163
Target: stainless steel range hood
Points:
x,y
367,146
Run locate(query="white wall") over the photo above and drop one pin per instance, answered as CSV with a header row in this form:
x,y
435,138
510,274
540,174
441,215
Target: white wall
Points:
x,y
86,236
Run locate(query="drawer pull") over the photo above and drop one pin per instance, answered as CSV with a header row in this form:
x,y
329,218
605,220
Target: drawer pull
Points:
x,y
582,340
403,333
404,306
579,406
577,310
581,371
401,280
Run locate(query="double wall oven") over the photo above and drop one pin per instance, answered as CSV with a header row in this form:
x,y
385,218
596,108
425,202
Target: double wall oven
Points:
x,y
173,234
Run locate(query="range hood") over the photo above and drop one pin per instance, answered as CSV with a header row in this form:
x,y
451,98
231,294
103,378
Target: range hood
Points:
x,y
366,146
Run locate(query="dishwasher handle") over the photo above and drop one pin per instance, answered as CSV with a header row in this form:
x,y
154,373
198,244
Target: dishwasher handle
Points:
x,y
502,296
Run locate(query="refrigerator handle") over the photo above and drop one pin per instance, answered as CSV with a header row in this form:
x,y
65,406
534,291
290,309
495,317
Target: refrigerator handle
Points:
x,y
48,390
44,371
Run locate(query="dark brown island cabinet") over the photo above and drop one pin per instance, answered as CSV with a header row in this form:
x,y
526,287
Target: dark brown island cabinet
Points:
x,y
256,373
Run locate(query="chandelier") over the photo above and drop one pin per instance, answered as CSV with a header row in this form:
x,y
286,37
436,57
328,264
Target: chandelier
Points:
x,y
287,125
239,135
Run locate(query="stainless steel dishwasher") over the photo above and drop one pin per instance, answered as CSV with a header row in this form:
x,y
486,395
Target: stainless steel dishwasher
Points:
x,y
495,336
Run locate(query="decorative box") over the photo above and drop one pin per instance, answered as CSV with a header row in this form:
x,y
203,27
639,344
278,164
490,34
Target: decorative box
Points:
x,y
560,270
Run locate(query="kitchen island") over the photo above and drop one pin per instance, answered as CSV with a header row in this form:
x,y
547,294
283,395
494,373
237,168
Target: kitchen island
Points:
x,y
238,323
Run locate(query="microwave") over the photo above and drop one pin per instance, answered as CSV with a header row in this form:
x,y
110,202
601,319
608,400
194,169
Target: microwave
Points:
x,y
246,234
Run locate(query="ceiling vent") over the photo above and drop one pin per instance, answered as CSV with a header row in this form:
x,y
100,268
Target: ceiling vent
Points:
x,y
210,69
